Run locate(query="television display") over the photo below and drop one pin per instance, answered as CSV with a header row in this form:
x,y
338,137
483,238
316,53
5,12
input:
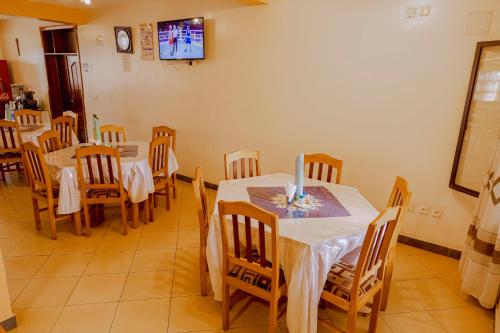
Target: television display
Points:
x,y
182,39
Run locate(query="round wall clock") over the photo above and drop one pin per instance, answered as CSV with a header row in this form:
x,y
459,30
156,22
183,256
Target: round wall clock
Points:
x,y
123,36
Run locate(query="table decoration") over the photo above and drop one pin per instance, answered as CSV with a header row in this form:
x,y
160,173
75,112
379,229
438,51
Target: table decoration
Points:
x,y
97,128
299,175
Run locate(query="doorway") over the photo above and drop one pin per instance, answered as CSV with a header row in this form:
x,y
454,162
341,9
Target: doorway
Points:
x,y
64,76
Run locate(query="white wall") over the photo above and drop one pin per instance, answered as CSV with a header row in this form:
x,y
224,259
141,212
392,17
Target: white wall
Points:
x,y
29,68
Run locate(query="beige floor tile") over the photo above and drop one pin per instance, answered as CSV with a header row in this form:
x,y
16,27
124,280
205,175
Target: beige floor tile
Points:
x,y
37,320
188,238
12,230
98,288
144,285
187,259
158,241
46,292
405,250
407,268
454,284
413,322
114,243
433,294
115,228
109,263
78,244
187,283
401,300
463,320
39,245
161,225
247,313
64,265
95,318
362,324
23,267
439,265
142,316
16,287
8,244
183,319
153,260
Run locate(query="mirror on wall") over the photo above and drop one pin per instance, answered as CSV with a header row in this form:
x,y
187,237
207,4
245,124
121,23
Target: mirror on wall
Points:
x,y
480,127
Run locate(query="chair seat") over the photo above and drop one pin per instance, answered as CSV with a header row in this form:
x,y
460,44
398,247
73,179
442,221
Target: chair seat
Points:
x,y
10,155
254,278
340,281
104,193
43,192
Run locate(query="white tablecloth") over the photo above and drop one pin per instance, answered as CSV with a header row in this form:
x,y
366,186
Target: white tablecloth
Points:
x,y
136,175
32,136
308,247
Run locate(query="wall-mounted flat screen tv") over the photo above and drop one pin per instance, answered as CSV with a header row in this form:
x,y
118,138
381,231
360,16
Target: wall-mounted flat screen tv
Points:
x,y
182,39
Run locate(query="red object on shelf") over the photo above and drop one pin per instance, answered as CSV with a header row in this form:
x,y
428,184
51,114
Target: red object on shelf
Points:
x,y
5,79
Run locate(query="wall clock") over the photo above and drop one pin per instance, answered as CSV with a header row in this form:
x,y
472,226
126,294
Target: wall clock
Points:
x,y
123,36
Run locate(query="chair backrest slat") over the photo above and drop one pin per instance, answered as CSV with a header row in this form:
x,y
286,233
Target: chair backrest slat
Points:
x,y
158,156
322,160
8,130
28,117
201,202
49,141
242,157
64,125
248,238
99,176
169,132
236,236
109,130
36,168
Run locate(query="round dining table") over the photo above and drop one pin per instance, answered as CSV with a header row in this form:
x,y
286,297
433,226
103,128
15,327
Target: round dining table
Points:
x,y
310,243
136,174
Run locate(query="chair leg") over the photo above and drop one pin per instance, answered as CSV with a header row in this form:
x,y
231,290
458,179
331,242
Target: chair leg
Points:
x,y
203,273
52,221
226,302
174,187
351,321
2,171
167,195
36,212
387,283
124,218
155,202
273,316
151,208
375,308
146,211
77,220
86,216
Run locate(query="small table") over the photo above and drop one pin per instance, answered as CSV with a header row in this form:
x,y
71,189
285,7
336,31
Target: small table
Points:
x,y
308,246
136,176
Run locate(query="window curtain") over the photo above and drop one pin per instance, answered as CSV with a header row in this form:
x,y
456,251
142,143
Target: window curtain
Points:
x,y
480,262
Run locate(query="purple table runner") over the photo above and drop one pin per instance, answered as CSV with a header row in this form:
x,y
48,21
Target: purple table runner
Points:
x,y
330,205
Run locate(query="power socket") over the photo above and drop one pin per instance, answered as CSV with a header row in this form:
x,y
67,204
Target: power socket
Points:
x,y
422,210
436,212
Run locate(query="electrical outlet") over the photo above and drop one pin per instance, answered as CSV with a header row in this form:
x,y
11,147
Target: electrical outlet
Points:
x,y
425,11
411,208
422,210
411,13
436,212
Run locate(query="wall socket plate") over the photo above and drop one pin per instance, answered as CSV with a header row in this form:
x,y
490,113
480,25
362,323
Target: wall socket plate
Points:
x,y
422,210
436,212
411,12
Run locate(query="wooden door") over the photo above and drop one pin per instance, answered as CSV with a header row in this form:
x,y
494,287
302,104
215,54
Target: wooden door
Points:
x,y
75,89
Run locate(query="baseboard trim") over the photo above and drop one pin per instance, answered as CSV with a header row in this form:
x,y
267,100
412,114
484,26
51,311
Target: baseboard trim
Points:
x,y
431,247
9,323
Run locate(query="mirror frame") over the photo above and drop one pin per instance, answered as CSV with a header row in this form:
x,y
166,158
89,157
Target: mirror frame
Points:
x,y
463,127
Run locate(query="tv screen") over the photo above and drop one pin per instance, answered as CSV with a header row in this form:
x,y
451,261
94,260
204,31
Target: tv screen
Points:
x,y
182,39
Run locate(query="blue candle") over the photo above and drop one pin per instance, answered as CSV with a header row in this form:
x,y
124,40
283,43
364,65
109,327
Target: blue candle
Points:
x,y
299,175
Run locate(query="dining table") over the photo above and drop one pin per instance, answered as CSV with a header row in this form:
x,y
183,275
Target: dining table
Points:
x,y
136,172
310,242
31,132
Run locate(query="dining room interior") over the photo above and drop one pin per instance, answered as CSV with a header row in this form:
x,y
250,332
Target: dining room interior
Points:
x,y
250,166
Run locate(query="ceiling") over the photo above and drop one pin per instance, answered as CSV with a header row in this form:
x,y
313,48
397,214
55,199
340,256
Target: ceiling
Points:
x,y
79,4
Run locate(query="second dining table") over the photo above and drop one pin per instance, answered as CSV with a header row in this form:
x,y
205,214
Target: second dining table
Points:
x,y
136,174
309,243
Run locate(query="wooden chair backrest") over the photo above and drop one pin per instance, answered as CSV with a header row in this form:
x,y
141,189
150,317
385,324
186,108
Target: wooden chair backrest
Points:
x,y
201,202
323,159
374,250
158,156
400,196
37,169
49,141
8,132
64,125
90,162
244,157
110,130
265,220
28,117
75,120
171,133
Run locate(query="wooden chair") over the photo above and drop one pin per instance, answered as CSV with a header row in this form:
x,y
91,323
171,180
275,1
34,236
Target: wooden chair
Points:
x,y
49,141
352,287
400,196
171,134
10,150
64,125
244,156
110,130
246,269
323,159
75,120
42,190
158,161
28,117
100,180
202,207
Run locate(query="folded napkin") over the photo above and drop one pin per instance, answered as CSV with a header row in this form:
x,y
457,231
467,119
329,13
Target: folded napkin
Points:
x,y
290,189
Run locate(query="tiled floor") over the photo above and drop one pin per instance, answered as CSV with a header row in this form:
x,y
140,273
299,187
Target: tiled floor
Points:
x,y
148,280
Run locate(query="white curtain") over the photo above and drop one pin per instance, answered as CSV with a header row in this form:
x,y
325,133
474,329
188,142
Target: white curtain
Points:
x,y
480,262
